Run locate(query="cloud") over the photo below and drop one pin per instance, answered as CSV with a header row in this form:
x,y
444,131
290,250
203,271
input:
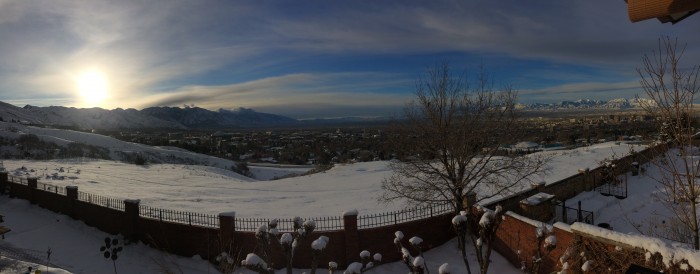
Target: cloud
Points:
x,y
315,94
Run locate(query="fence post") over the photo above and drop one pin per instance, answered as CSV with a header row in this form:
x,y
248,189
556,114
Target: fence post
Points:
x,y
131,219
32,184
227,229
352,236
72,195
579,212
3,182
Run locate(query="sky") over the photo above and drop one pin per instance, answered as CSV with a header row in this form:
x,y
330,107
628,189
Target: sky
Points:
x,y
316,59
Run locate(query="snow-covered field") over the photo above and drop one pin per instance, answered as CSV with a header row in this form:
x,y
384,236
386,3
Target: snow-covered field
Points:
x,y
213,190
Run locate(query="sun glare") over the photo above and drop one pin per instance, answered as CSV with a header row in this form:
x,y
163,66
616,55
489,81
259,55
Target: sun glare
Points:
x,y
92,87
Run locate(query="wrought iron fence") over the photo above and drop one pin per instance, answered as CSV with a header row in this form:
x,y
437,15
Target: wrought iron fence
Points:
x,y
183,217
51,188
287,224
99,200
17,180
571,215
402,216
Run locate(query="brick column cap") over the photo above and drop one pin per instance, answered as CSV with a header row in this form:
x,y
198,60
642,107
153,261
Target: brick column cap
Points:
x,y
132,201
352,212
71,187
227,214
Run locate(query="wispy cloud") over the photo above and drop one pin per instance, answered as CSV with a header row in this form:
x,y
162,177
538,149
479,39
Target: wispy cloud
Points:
x,y
299,95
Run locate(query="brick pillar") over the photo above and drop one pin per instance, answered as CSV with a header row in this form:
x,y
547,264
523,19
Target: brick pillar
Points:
x,y
32,183
468,200
131,219
589,179
3,182
539,186
352,237
227,227
72,194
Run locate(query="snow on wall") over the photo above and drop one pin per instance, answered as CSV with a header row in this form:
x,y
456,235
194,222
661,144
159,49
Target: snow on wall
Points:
x,y
671,252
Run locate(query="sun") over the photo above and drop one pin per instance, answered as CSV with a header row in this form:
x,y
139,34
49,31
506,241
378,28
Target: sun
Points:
x,y
92,87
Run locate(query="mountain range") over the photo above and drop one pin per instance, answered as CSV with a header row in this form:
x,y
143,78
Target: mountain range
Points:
x,y
190,117
620,103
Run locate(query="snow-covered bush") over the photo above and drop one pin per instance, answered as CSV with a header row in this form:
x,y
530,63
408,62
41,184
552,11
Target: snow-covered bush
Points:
x,y
367,262
226,262
482,239
257,264
267,237
415,264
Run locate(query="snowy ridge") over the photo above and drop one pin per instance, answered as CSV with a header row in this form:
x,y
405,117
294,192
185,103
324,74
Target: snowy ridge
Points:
x,y
117,148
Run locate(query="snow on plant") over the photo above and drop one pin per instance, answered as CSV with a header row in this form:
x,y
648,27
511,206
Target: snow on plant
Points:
x,y
367,262
364,254
444,269
267,237
587,266
257,264
318,246
354,268
416,241
489,223
226,262
409,260
332,266
418,265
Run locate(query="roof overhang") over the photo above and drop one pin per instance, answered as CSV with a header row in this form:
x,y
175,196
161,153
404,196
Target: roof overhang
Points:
x,y
665,11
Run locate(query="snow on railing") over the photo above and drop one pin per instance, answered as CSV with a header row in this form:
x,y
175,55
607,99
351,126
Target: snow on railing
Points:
x,y
183,217
402,216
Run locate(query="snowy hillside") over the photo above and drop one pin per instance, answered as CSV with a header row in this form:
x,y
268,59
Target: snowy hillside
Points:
x,y
117,149
9,112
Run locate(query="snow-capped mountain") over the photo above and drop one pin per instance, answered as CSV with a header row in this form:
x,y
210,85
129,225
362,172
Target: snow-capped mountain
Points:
x,y
194,117
151,118
97,118
619,103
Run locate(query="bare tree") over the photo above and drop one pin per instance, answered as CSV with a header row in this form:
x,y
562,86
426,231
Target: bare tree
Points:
x,y
450,142
671,89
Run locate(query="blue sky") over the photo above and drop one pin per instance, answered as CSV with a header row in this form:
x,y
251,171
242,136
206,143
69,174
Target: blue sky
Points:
x,y
309,59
